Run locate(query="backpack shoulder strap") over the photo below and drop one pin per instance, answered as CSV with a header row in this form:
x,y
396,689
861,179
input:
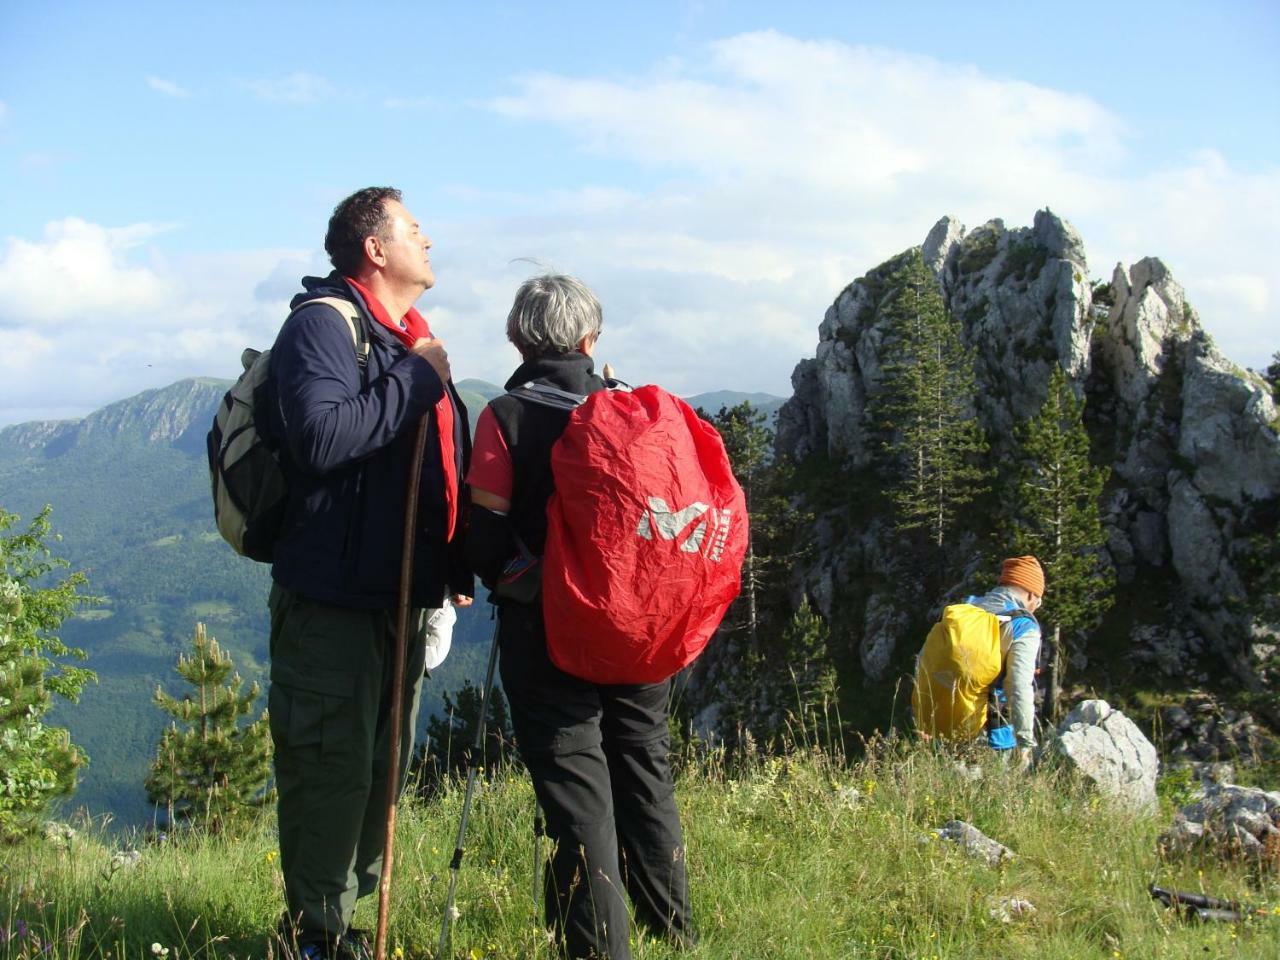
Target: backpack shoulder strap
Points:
x,y
547,396
355,323
1010,616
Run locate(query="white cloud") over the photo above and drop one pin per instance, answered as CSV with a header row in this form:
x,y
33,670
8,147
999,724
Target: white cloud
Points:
x,y
296,87
796,165
168,88
77,274
92,314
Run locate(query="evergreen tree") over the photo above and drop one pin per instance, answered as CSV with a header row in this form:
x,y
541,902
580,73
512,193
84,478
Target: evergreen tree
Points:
x,y
209,769
808,659
934,443
737,674
748,442
450,738
1057,519
38,763
1273,376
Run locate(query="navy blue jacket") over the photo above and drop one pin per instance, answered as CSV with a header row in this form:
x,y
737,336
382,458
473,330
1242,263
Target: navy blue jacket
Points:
x,y
346,440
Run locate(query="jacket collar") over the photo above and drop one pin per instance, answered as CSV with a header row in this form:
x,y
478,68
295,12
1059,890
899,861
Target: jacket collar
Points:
x,y
571,371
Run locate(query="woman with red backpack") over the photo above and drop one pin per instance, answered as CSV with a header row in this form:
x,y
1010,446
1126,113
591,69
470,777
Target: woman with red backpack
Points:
x,y
598,753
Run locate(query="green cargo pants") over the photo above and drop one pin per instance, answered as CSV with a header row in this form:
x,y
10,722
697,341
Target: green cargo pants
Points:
x,y
330,699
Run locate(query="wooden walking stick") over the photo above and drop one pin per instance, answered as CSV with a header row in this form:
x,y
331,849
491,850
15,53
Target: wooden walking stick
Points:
x,y
397,684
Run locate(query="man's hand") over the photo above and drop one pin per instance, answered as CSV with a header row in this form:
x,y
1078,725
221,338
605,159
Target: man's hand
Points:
x,y
459,600
432,350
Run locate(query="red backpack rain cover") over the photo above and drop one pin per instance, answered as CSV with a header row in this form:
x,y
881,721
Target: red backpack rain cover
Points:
x,y
646,534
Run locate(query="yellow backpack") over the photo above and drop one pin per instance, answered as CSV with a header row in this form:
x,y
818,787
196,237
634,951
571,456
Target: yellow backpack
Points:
x,y
955,671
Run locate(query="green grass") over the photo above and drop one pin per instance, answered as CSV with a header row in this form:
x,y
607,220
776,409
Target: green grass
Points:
x,y
784,862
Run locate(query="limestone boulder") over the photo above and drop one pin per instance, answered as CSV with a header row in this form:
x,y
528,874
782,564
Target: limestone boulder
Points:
x,y
975,843
1108,749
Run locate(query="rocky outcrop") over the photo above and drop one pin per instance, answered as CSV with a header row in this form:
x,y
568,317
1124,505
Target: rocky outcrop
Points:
x,y
1108,749
1229,822
1203,730
1196,449
1023,295
1191,438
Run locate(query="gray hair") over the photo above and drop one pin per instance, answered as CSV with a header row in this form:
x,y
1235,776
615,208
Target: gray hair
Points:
x,y
552,314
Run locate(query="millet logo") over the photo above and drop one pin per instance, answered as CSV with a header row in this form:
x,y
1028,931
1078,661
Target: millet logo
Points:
x,y
669,524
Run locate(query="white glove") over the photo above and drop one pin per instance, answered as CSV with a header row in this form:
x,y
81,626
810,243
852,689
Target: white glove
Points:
x,y
437,632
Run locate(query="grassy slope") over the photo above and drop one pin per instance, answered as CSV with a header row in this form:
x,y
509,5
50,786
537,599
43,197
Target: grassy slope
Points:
x,y
782,864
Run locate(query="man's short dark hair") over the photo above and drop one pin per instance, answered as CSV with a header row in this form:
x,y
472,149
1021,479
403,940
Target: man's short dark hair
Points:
x,y
361,215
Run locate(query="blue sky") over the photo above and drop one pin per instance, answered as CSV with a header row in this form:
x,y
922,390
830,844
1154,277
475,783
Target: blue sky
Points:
x,y
718,172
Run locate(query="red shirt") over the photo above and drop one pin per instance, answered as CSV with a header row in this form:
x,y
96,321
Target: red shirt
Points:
x,y
409,330
490,458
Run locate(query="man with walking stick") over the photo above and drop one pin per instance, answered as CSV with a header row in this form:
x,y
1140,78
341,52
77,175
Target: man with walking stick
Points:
x,y
364,413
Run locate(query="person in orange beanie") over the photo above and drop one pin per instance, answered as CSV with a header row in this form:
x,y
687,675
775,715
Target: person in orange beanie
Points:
x,y
1019,590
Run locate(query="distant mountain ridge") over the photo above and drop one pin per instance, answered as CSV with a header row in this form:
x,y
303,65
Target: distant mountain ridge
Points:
x,y
166,414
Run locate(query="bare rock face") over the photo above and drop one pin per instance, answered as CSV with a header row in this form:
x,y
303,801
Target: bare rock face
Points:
x,y
1229,822
884,624
1196,446
1024,299
1202,730
1191,438
1109,749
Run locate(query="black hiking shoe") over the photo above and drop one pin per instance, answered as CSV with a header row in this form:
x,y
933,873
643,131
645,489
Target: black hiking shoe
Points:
x,y
356,944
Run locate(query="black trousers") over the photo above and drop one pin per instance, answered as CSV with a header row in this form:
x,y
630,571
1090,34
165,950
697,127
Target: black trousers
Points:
x,y
330,700
599,759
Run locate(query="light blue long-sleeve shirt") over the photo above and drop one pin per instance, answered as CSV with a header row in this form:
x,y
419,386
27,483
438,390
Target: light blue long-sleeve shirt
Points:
x,y
1020,648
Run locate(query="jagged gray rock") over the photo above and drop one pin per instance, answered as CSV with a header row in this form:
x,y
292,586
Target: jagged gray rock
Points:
x,y
1206,732
974,842
1109,749
1228,821
884,624
1168,649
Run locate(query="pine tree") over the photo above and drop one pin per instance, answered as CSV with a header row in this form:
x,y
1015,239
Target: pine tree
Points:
x,y
748,443
1272,376
38,763
1057,519
808,660
450,738
209,770
934,444
737,675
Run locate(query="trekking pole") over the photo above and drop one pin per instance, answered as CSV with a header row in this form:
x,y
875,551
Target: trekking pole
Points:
x,y
401,642
538,832
477,750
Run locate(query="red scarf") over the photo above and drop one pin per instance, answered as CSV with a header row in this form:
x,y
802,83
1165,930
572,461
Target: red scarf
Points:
x,y
411,328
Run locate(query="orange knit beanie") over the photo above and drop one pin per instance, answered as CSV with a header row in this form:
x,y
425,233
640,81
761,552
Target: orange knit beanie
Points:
x,y
1024,572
